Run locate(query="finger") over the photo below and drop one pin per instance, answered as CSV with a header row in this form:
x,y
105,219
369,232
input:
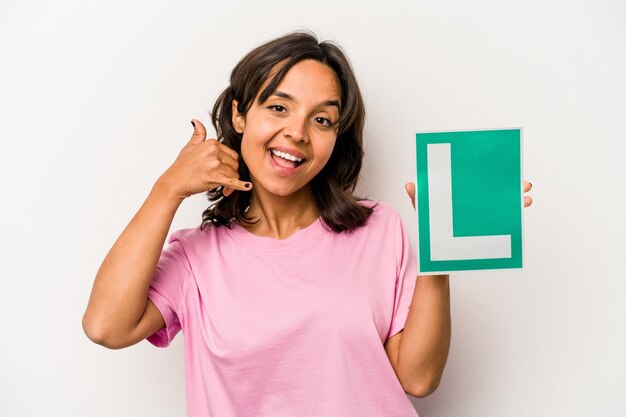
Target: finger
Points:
x,y
224,171
228,160
229,179
410,189
228,150
227,191
527,186
528,201
235,184
199,132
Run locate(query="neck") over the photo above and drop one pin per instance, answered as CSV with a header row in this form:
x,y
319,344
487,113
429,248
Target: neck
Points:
x,y
280,217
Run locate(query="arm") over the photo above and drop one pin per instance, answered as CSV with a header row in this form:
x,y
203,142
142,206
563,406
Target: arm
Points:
x,y
119,313
419,352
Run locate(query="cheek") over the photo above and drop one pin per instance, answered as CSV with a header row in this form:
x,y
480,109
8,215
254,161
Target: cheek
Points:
x,y
326,149
250,142
249,152
257,135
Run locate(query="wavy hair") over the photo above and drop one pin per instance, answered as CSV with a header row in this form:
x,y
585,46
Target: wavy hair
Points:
x,y
334,185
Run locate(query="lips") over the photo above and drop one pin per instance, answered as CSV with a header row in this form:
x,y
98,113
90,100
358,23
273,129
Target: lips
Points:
x,y
286,158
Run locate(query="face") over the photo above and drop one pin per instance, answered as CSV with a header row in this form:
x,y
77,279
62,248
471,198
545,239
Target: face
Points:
x,y
288,139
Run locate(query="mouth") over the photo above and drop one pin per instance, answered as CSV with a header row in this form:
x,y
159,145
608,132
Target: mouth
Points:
x,y
286,160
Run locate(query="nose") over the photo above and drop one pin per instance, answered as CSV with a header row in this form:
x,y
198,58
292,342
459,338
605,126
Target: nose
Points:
x,y
296,129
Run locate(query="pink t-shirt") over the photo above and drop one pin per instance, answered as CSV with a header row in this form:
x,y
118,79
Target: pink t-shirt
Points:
x,y
291,327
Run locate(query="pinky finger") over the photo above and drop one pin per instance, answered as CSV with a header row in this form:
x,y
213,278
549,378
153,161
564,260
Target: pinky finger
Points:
x,y
232,184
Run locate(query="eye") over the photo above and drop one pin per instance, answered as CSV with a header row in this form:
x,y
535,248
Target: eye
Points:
x,y
277,108
323,121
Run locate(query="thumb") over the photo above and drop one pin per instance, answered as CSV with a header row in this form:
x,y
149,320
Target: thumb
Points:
x,y
410,189
199,132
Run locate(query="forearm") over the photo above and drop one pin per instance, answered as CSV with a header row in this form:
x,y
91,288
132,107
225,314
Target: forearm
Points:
x,y
119,294
425,341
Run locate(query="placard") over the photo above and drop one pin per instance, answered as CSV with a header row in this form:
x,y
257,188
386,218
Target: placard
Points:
x,y
469,200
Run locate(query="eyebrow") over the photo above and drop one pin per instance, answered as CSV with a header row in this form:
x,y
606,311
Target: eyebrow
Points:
x,y
322,104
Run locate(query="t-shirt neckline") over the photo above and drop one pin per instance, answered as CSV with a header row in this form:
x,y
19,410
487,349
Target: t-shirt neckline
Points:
x,y
303,236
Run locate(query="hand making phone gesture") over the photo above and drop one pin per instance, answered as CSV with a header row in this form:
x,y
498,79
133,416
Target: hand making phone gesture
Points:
x,y
203,165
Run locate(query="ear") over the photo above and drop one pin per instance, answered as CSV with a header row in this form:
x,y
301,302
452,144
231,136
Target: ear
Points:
x,y
239,120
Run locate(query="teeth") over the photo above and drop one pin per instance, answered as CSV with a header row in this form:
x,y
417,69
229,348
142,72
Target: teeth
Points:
x,y
285,155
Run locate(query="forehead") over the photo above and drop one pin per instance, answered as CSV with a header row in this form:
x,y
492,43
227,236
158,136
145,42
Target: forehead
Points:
x,y
307,78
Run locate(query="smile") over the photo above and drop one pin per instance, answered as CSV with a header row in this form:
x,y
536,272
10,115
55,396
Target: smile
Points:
x,y
282,157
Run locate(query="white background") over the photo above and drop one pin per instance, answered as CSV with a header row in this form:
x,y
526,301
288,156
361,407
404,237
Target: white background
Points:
x,y
95,103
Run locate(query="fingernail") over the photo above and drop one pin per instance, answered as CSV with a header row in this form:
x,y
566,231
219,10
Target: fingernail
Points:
x,y
193,124
248,185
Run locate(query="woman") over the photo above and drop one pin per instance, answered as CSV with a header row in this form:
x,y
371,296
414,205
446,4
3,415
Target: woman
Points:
x,y
293,295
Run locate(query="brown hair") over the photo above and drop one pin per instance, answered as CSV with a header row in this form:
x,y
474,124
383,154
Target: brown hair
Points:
x,y
334,185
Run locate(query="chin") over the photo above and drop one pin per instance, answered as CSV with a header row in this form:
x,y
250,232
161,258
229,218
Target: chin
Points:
x,y
281,190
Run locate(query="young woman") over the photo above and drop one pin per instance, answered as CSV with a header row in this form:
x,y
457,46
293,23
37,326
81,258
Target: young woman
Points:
x,y
295,298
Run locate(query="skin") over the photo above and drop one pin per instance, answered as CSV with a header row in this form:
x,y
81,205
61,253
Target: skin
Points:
x,y
301,119
119,313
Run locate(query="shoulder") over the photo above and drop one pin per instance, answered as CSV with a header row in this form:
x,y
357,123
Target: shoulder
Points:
x,y
193,243
382,212
192,237
383,219
185,236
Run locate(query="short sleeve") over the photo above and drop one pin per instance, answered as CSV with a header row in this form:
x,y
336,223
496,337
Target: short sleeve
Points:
x,y
167,290
405,279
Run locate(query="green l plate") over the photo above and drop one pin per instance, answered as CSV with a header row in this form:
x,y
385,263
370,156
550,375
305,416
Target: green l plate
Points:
x,y
469,200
